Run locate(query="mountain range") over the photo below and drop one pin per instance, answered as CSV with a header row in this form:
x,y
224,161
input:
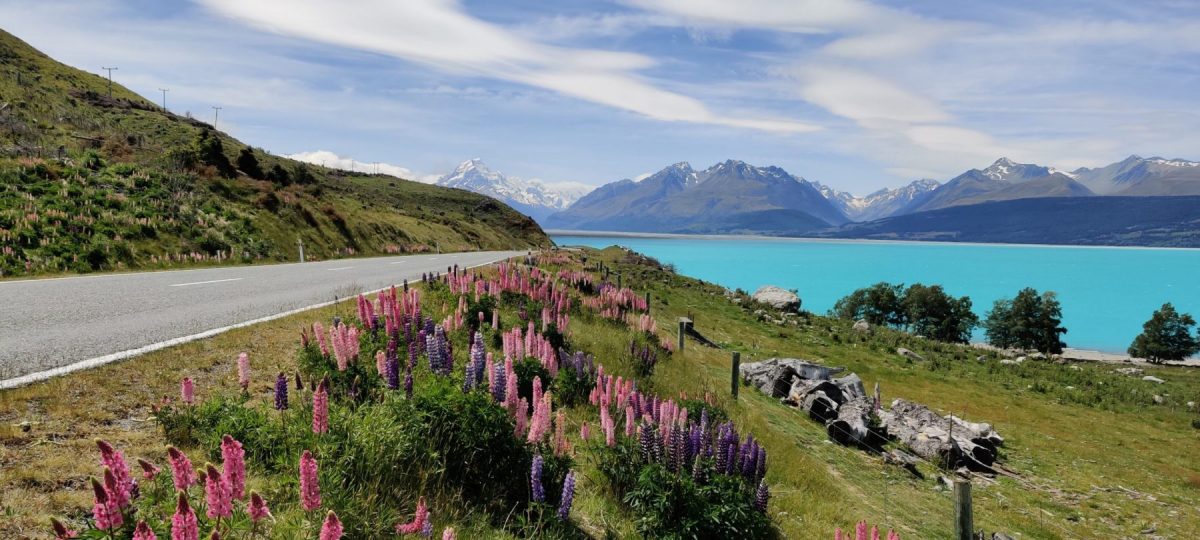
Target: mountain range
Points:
x,y
729,197
530,197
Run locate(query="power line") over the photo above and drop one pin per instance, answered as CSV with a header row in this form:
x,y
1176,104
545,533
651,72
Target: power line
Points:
x,y
164,93
109,70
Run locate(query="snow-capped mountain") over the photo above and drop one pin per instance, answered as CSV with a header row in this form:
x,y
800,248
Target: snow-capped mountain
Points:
x,y
534,198
1136,175
877,205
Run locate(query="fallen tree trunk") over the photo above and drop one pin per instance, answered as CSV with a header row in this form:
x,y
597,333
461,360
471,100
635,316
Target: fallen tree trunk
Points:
x,y
935,438
852,426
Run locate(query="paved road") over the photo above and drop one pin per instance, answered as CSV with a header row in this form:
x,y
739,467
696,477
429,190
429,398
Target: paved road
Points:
x,y
51,326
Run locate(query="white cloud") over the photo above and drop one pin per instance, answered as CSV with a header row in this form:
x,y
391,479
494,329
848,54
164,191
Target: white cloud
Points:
x,y
440,34
865,98
806,16
326,158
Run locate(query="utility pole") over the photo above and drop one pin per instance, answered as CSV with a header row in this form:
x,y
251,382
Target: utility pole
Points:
x,y
216,115
164,93
109,70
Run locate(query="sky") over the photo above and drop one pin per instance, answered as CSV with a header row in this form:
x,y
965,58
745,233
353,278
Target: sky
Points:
x,y
854,94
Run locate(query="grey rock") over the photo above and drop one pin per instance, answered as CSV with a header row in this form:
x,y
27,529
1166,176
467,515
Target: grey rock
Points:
x,y
776,376
778,298
862,326
1158,399
1153,379
1129,371
909,354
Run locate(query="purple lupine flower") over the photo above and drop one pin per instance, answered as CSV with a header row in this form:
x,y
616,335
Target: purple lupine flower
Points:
x,y
676,452
408,385
762,464
698,471
281,392
391,365
535,480
723,449
760,497
646,442
499,382
568,496
746,457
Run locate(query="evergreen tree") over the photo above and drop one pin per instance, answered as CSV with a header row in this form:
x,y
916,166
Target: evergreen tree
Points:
x,y
1166,336
210,151
247,163
1029,321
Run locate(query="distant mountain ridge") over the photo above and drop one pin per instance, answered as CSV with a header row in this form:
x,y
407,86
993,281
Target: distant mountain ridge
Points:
x,y
882,203
729,197
533,198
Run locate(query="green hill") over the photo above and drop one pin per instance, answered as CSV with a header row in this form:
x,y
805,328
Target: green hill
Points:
x,y
90,181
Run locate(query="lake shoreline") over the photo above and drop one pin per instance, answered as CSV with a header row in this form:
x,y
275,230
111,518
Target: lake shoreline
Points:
x,y
824,240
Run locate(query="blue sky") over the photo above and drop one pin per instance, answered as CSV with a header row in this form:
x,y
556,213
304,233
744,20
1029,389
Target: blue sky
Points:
x,y
854,94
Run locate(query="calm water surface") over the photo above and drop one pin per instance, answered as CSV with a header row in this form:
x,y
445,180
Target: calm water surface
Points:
x,y
1106,293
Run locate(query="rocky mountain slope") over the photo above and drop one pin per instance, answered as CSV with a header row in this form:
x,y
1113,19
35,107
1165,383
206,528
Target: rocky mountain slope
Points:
x,y
880,204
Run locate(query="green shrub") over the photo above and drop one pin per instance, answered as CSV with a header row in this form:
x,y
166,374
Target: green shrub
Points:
x,y
670,505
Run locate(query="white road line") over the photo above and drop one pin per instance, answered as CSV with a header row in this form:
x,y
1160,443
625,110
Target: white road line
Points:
x,y
204,282
398,262
110,358
339,268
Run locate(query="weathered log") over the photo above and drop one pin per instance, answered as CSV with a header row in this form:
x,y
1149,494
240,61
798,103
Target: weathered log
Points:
x,y
852,426
935,438
776,376
903,459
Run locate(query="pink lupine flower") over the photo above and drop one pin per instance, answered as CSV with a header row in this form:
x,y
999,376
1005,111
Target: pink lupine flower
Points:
x,y
874,533
448,534
233,466
181,469
319,331
104,509
310,490
419,520
143,532
837,534
149,470
118,495
183,524
860,531
320,421
381,363
256,508
61,532
243,368
893,535
111,458
187,391
332,528
216,494
584,432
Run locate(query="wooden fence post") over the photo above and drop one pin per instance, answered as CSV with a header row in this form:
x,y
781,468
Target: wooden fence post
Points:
x,y
682,332
963,527
735,374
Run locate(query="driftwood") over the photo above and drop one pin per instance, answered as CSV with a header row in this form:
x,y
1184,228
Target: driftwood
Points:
x,y
853,426
776,377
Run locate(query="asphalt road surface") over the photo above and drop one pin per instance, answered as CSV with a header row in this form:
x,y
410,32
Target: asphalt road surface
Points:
x,y
53,326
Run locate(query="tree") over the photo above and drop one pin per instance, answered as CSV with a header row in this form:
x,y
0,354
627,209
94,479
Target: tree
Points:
x,y
932,313
302,175
1166,336
210,151
879,304
247,163
1029,321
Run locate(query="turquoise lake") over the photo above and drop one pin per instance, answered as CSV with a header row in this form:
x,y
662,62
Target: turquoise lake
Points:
x,y
1106,293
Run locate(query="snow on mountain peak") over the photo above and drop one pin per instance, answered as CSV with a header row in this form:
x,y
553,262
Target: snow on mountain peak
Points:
x,y
475,175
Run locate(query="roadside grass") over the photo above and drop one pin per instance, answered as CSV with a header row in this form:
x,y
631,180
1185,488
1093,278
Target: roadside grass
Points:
x,y
1094,461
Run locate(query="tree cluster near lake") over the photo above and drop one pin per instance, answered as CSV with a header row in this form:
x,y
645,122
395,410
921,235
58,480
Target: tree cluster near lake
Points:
x,y
1166,336
925,310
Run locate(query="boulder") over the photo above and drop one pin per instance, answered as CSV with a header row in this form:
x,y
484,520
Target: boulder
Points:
x,y
862,326
1153,379
776,376
1008,362
1129,371
909,354
778,298
1191,404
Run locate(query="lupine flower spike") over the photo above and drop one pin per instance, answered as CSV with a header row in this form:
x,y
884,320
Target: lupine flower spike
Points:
x,y
448,534
104,509
149,471
243,368
332,528
233,467
310,491
61,532
281,392
860,530
535,480
183,524
216,494
143,532
320,421
181,469
568,496
256,508
187,391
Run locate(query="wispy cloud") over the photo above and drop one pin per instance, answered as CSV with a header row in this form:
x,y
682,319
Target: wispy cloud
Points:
x,y
326,158
440,34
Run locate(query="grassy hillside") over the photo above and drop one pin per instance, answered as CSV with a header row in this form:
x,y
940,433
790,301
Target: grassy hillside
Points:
x,y
1093,453
92,182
